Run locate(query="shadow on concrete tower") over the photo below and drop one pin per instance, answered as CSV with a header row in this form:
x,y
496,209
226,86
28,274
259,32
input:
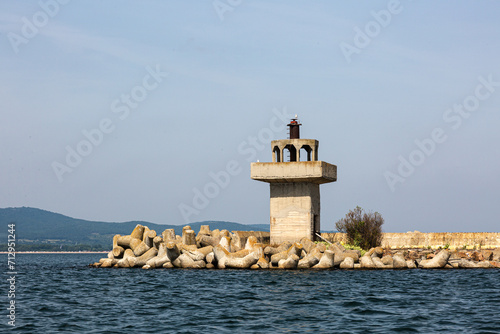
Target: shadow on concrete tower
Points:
x,y
294,177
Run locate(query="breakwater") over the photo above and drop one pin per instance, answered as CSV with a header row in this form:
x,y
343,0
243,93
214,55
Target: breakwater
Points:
x,y
454,241
143,248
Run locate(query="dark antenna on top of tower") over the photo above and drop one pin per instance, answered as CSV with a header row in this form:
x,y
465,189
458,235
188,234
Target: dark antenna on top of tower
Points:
x,y
294,128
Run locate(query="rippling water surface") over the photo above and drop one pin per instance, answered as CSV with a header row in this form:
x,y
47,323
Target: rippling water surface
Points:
x,y
59,293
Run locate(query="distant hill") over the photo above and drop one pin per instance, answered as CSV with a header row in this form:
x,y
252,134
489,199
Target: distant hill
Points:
x,y
36,226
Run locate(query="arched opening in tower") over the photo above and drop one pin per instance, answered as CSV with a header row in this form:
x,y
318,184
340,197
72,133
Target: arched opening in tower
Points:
x,y
292,152
305,153
277,154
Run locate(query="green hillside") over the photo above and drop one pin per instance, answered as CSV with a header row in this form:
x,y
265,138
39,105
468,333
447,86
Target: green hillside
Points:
x,y
36,226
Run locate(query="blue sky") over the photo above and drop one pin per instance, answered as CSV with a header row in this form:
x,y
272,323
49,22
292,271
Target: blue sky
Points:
x,y
204,79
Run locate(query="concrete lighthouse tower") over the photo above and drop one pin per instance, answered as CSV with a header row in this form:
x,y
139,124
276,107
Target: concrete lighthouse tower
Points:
x,y
294,177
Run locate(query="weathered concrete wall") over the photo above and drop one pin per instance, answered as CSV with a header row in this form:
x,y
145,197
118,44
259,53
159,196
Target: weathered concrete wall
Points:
x,y
434,240
293,208
295,196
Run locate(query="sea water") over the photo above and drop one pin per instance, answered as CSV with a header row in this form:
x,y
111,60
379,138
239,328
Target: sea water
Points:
x,y
60,293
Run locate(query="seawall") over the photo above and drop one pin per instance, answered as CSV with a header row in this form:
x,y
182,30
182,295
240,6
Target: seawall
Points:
x,y
144,248
480,240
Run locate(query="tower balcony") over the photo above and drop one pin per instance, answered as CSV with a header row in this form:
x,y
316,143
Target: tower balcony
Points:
x,y
299,171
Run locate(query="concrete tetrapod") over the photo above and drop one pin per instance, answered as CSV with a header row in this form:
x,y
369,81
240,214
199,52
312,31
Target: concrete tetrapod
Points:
x,y
137,245
185,261
108,263
168,235
495,256
188,236
438,261
375,252
207,240
341,256
387,260
270,250
494,264
143,248
172,250
242,262
307,244
231,260
140,249
310,259
210,258
226,243
167,253
200,253
148,237
204,230
296,249
398,261
123,262
289,263
160,258
379,264
115,240
465,264
127,241
411,264
219,253
327,261
251,242
485,264
157,241
141,260
242,253
138,232
348,263
337,248
263,263
110,255
118,251
366,262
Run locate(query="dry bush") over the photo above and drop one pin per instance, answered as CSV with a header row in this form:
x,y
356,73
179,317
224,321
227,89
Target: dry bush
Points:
x,y
363,229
